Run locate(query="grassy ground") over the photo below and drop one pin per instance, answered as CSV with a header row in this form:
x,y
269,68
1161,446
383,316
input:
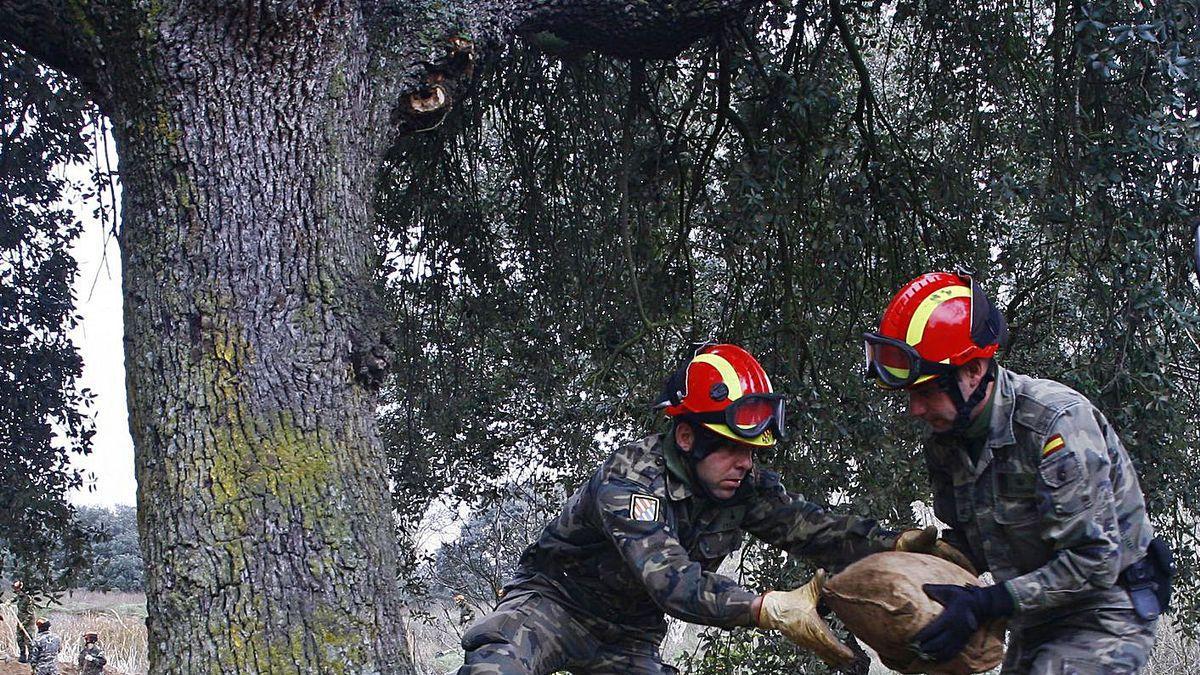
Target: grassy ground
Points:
x,y
118,617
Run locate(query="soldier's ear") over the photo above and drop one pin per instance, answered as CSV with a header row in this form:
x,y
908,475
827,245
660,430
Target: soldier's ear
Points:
x,y
685,436
974,371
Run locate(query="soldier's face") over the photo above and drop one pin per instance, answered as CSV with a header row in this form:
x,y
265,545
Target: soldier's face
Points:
x,y
723,469
932,405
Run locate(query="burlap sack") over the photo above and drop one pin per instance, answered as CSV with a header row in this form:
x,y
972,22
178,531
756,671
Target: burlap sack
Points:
x,y
880,600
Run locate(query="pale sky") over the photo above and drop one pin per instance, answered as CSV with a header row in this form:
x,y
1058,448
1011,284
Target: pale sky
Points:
x,y
98,336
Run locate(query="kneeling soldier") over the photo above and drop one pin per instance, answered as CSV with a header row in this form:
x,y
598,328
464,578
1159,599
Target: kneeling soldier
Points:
x,y
646,534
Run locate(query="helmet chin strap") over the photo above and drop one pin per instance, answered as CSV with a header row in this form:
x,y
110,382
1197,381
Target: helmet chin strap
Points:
x,y
964,406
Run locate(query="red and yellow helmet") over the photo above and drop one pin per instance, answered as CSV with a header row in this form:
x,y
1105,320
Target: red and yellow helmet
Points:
x,y
936,323
726,390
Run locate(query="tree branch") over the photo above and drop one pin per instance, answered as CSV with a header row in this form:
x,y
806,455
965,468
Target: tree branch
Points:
x,y
54,32
651,29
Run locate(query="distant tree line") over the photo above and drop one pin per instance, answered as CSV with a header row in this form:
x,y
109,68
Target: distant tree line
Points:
x,y
114,556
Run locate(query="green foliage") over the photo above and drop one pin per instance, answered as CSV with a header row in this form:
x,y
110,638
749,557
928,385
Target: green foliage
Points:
x,y
43,412
575,223
114,553
484,556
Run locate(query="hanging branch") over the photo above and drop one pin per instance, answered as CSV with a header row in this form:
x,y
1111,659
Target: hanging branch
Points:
x,y
723,77
636,81
864,107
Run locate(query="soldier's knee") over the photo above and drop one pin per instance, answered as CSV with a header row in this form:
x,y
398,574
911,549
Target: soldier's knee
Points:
x,y
493,659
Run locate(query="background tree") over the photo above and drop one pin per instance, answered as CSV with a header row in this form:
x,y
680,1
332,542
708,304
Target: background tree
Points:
x,y
560,239
555,238
43,411
114,555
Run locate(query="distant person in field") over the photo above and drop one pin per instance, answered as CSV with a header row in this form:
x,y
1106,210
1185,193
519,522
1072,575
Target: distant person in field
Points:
x,y
91,655
465,614
43,655
646,534
25,625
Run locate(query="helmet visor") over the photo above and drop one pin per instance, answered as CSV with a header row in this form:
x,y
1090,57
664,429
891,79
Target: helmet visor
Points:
x,y
751,415
896,364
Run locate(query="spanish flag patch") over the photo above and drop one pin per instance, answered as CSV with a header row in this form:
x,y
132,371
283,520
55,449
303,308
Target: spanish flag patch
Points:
x,y
1053,445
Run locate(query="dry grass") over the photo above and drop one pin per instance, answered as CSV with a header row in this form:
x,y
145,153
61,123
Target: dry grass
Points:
x,y
117,617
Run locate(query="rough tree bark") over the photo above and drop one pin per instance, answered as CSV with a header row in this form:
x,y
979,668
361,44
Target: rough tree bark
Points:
x,y
250,134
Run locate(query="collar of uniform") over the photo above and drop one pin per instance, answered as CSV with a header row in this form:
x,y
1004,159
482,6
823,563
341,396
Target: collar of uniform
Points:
x,y
1004,403
677,475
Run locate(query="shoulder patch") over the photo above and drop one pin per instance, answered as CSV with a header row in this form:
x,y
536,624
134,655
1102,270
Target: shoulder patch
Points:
x,y
1053,445
643,507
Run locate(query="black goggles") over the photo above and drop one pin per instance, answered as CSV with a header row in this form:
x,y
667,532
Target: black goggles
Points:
x,y
895,364
750,416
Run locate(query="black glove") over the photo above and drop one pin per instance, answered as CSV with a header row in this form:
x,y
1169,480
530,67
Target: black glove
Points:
x,y
1164,568
967,607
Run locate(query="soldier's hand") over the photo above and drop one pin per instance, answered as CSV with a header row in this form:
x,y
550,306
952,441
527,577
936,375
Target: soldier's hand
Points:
x,y
926,541
965,609
794,613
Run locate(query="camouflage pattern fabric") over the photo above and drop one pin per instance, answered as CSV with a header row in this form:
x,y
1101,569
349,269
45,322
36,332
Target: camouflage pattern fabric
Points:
x,y
1051,507
531,633
43,655
635,541
1110,641
91,659
25,628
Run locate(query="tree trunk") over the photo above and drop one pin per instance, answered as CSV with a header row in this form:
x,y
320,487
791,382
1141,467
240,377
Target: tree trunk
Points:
x,y
247,247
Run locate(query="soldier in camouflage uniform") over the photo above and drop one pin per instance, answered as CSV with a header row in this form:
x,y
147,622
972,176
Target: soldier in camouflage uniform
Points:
x,y
465,613
25,626
646,534
91,655
43,655
1035,487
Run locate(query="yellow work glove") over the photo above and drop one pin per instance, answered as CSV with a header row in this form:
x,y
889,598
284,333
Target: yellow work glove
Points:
x,y
794,613
926,541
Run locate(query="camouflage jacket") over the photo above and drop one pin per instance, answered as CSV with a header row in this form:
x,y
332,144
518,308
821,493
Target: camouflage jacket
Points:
x,y
25,609
43,655
91,659
1052,507
635,541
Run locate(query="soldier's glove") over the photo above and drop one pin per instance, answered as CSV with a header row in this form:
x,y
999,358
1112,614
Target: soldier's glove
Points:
x,y
966,609
794,613
926,541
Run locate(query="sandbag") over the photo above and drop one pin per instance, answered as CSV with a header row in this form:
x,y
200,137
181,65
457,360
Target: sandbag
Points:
x,y
880,600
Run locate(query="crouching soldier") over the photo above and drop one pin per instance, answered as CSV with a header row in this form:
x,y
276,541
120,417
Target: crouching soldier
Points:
x,y
91,656
646,534
1035,486
43,654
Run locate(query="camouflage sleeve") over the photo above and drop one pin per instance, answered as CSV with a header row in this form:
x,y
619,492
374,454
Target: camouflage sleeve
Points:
x,y
946,510
635,522
789,522
1078,514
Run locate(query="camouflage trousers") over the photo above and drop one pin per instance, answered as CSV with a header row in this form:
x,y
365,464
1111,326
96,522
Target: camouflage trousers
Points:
x,y
24,643
1110,641
531,634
